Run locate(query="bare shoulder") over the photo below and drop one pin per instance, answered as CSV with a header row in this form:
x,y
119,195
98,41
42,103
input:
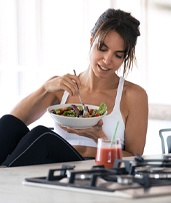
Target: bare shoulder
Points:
x,y
134,92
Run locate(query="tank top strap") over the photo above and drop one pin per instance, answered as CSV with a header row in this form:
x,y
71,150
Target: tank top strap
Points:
x,y
118,95
119,91
64,97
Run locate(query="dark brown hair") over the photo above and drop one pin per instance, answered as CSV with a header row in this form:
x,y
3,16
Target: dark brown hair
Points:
x,y
125,25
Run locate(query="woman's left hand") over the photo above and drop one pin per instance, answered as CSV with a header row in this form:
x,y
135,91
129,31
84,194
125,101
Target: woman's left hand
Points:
x,y
94,132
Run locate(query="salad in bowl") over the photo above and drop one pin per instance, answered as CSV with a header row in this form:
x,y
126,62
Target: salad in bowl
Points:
x,y
71,115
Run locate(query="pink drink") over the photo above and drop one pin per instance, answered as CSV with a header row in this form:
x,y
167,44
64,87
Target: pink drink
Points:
x,y
106,154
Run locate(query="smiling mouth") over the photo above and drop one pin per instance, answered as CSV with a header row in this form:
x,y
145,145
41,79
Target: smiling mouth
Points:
x,y
103,68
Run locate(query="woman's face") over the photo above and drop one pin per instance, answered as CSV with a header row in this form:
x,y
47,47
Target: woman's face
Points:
x,y
105,60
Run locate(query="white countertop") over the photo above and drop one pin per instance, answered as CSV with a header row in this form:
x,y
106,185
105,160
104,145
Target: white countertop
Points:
x,y
13,190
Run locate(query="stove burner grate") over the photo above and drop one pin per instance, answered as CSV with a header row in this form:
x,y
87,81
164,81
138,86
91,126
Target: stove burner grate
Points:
x,y
125,175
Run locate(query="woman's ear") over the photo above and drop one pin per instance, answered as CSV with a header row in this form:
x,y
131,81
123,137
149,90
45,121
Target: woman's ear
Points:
x,y
91,41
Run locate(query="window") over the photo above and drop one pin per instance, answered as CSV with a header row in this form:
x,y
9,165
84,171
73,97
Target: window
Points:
x,y
42,38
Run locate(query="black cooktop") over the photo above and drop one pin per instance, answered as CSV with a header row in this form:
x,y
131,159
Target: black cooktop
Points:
x,y
125,175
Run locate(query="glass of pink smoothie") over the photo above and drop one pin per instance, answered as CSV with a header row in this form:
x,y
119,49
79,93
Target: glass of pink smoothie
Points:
x,y
107,153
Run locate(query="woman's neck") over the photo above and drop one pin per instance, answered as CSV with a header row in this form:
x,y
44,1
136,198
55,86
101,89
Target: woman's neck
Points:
x,y
93,83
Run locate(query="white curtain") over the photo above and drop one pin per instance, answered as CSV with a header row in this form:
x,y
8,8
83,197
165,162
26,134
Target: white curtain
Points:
x,y
42,38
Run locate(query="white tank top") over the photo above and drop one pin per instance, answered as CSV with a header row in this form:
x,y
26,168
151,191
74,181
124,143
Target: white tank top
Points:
x,y
109,123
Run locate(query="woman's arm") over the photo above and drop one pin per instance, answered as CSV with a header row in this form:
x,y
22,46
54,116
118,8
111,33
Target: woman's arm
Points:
x,y
34,105
137,121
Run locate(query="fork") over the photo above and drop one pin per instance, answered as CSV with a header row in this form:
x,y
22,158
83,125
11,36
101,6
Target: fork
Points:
x,y
85,108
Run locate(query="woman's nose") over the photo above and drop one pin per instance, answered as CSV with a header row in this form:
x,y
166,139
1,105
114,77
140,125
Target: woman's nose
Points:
x,y
107,58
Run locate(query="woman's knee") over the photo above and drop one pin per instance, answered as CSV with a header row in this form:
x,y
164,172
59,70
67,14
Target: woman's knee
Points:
x,y
38,132
40,129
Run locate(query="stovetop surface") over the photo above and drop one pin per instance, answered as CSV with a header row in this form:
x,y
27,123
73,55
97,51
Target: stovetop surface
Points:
x,y
130,179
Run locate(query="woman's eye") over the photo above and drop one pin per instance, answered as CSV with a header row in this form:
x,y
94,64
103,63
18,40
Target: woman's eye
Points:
x,y
120,56
102,48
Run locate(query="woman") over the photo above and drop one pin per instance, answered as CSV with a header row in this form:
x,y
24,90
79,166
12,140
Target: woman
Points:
x,y
112,44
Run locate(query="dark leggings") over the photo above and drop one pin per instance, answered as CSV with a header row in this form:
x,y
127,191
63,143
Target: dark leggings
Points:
x,y
20,147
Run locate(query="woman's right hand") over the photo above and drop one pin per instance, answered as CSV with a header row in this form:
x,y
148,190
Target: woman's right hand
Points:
x,y
66,82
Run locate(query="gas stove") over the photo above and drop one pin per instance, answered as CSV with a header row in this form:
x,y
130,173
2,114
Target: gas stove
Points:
x,y
128,179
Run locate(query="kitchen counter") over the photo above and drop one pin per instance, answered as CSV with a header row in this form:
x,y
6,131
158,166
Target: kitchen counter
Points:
x,y
13,190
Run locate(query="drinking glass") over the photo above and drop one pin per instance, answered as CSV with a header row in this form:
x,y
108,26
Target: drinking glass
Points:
x,y
107,152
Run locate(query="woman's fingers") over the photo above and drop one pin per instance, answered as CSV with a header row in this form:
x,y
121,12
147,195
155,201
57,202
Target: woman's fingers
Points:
x,y
68,82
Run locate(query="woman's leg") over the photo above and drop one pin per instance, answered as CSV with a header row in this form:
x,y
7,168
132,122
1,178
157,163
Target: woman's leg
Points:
x,y
11,131
41,146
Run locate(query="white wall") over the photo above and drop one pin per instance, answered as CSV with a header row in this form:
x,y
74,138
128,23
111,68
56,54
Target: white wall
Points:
x,y
41,38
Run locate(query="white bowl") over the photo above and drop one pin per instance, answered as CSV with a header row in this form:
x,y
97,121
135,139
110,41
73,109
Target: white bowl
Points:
x,y
75,122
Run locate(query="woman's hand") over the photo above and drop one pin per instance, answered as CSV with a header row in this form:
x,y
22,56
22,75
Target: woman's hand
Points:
x,y
94,132
66,82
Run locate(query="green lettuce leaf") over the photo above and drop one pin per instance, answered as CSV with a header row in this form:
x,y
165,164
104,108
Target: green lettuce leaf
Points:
x,y
102,108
